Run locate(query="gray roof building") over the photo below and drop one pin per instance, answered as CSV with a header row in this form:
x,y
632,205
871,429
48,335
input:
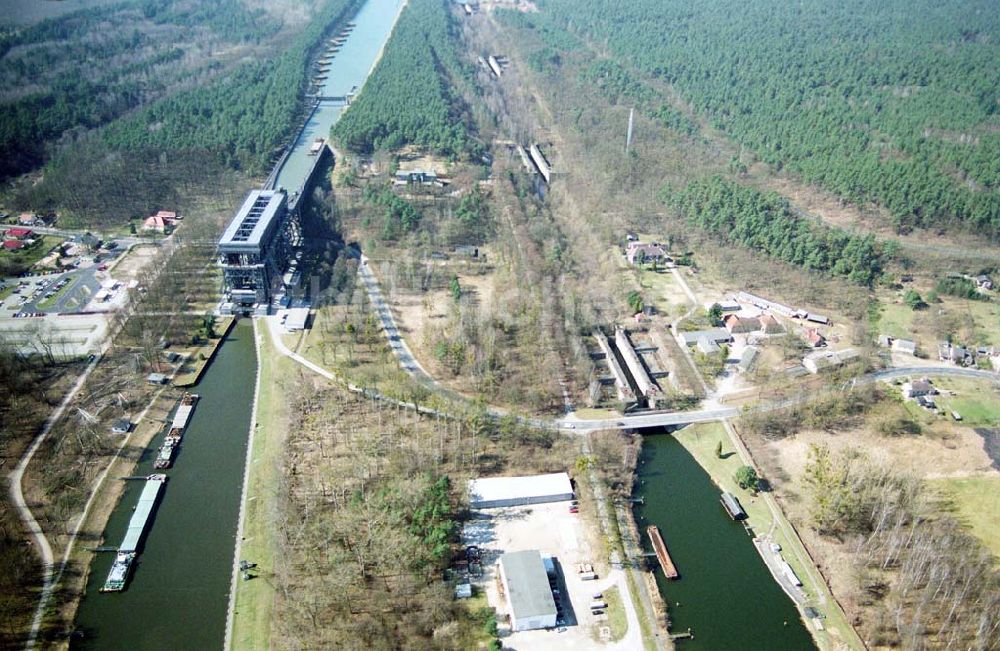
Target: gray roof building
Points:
x,y
715,335
526,585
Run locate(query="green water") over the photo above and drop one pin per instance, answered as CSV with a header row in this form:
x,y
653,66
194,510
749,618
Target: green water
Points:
x,y
726,594
178,594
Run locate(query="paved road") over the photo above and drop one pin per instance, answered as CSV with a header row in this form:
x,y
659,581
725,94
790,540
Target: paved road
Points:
x,y
17,497
396,341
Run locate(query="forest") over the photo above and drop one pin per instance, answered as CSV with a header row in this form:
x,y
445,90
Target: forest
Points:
x,y
86,68
890,103
413,96
766,222
185,141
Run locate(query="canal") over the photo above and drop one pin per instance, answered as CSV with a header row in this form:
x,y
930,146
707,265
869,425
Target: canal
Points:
x,y
348,71
725,593
178,593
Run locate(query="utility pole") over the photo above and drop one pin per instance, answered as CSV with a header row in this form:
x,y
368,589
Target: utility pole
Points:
x,y
628,136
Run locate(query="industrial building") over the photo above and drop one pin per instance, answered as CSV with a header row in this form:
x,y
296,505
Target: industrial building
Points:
x,y
254,251
497,492
525,585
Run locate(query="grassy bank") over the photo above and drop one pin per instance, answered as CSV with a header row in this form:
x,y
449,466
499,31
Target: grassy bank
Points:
x,y
255,598
198,357
700,441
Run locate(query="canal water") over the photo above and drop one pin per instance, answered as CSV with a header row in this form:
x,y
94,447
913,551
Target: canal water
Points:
x,y
178,593
349,69
726,594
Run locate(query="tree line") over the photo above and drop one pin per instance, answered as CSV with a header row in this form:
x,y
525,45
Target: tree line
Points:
x,y
413,95
892,103
766,222
84,69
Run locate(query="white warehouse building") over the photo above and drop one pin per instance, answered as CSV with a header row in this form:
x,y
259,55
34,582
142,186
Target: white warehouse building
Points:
x,y
496,492
526,587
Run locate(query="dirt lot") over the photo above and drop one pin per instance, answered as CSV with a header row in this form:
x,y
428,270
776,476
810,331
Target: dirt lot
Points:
x,y
553,530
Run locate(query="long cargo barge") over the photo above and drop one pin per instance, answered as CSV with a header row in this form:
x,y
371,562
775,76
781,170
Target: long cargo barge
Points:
x,y
165,454
129,548
662,555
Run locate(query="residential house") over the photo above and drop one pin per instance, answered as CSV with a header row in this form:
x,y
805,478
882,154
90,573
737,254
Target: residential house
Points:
x,y
88,240
770,326
957,354
30,219
740,325
815,338
13,245
707,346
20,234
155,223
642,252
121,426
918,388
746,363
827,359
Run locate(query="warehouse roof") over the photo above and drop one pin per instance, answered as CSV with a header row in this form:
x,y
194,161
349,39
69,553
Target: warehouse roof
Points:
x,y
528,590
495,489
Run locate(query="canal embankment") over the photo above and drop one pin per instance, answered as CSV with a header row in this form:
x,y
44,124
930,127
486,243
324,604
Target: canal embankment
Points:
x,y
199,357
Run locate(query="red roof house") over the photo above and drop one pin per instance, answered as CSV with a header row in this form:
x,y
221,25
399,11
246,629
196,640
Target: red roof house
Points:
x,y
154,223
12,245
20,233
814,338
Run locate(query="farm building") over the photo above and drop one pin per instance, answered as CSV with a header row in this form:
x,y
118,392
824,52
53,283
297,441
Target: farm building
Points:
x,y
715,335
497,492
526,589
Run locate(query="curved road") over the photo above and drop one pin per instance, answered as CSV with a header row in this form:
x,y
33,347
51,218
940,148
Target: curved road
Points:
x,y
17,497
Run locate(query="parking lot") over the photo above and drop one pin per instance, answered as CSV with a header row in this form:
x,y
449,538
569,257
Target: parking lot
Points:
x,y
554,531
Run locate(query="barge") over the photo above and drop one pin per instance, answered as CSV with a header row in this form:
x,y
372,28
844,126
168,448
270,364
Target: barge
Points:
x,y
662,555
129,548
165,455
732,506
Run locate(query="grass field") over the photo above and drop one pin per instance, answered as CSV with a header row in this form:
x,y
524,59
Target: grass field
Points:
x,y
896,320
616,615
977,503
30,256
700,441
977,402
